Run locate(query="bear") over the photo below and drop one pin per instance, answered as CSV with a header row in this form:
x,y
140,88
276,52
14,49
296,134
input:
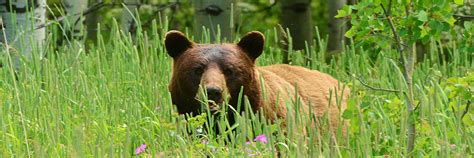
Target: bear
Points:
x,y
222,69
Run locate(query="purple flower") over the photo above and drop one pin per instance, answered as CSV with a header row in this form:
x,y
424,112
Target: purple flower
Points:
x,y
205,142
140,149
261,138
249,151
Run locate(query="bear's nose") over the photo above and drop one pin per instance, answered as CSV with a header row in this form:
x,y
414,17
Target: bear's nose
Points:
x,y
214,93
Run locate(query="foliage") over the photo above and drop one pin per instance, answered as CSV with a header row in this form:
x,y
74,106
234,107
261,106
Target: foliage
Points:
x,y
111,98
415,21
460,92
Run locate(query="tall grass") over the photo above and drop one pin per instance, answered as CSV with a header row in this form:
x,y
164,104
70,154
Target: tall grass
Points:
x,y
111,96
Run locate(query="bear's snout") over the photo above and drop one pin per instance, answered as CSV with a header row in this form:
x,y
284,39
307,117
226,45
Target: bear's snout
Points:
x,y
214,93
213,81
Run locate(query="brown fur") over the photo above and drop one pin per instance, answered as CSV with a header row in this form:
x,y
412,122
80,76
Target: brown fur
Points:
x,y
230,66
313,89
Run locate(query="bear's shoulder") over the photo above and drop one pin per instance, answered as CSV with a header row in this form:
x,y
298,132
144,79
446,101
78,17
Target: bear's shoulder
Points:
x,y
310,84
294,73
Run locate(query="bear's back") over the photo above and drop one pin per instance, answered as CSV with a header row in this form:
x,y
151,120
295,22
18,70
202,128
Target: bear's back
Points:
x,y
313,89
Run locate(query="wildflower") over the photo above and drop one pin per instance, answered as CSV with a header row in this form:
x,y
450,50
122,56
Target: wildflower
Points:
x,y
204,142
199,130
249,151
261,138
250,146
140,149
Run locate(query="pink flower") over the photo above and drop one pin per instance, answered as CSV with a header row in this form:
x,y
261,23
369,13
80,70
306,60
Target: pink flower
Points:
x,y
140,149
205,142
261,138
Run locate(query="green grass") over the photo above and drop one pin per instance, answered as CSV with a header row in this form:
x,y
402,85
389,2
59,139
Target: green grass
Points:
x,y
107,99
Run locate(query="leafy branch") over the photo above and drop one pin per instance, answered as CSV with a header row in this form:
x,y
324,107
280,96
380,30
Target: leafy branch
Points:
x,y
408,63
463,17
375,88
466,109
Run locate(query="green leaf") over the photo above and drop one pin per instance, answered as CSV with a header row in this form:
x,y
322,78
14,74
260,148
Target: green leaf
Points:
x,y
351,32
345,11
423,32
468,25
348,114
459,2
467,96
451,21
247,6
422,16
364,105
341,13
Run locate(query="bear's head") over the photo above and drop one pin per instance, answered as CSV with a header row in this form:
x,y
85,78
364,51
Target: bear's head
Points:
x,y
219,69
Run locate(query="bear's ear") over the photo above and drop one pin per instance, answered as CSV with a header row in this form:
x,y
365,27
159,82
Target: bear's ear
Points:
x,y
252,43
176,43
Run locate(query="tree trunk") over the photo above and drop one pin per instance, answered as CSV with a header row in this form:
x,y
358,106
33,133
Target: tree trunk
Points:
x,y
129,24
421,50
174,24
296,16
19,28
351,2
407,59
336,27
92,20
74,24
216,17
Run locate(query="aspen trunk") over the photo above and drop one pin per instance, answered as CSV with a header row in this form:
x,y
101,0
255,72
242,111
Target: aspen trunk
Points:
x,y
129,24
74,24
19,25
336,26
296,16
91,22
174,24
217,17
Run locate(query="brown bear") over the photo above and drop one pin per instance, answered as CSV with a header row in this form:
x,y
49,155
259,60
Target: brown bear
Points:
x,y
222,69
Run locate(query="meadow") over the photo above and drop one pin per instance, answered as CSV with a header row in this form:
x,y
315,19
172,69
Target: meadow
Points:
x,y
108,98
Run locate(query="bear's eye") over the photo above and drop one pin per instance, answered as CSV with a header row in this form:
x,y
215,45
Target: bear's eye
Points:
x,y
228,72
199,70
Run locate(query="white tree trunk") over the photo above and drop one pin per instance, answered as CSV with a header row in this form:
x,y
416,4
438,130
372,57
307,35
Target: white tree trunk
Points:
x,y
19,25
217,17
74,24
296,17
128,24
